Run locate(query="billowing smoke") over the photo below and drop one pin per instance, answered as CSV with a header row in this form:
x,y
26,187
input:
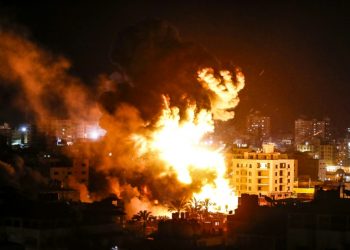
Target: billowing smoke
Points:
x,y
153,65
16,175
45,85
157,61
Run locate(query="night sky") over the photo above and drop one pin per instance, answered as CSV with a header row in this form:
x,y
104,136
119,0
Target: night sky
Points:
x,y
295,56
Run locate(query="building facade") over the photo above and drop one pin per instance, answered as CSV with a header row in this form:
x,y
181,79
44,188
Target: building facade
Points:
x,y
307,130
258,129
268,173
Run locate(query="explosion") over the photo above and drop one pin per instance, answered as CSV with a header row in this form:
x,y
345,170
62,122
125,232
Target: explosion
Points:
x,y
156,111
180,142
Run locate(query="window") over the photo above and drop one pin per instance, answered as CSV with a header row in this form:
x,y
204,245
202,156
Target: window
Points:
x,y
259,180
276,166
281,180
275,173
281,187
259,173
288,173
237,180
237,165
288,180
281,172
250,165
275,181
275,188
259,188
250,188
249,180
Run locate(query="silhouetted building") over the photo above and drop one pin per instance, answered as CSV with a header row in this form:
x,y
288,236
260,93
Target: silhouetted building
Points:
x,y
65,172
61,225
305,131
258,129
323,223
5,134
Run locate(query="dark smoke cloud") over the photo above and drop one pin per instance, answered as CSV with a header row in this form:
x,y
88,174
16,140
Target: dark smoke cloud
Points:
x,y
157,61
17,175
151,60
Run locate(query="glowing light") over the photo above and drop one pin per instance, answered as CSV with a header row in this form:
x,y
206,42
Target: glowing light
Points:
x,y
94,135
332,168
24,129
180,141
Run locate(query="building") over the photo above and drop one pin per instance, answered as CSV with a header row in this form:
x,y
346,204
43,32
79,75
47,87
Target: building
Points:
x,y
5,134
258,129
67,171
263,173
61,225
22,136
307,130
323,223
67,131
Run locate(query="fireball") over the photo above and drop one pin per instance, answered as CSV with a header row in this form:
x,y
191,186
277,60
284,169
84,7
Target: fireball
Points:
x,y
179,141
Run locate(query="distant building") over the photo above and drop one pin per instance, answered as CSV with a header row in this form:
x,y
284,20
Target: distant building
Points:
x,y
66,172
258,129
68,131
5,134
263,173
307,130
22,136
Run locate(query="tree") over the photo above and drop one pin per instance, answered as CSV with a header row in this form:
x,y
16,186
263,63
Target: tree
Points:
x,y
206,204
194,207
177,205
143,216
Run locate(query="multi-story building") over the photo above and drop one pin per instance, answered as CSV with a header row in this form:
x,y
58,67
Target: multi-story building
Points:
x,y
263,173
258,129
66,132
307,130
65,173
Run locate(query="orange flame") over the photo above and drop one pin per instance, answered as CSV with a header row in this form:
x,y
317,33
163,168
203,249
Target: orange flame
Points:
x,y
178,141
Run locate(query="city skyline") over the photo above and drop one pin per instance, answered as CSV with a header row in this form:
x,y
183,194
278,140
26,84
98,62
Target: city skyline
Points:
x,y
293,55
